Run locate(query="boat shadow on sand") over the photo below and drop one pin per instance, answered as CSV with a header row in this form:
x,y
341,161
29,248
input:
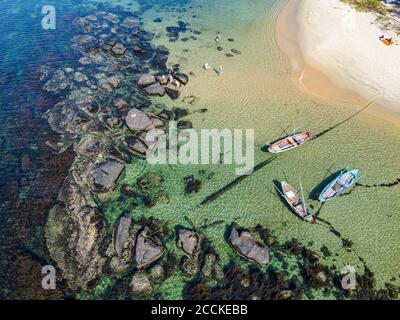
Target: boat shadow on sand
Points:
x,y
315,193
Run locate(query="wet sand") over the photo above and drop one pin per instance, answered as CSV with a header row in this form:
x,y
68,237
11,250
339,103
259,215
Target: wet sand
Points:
x,y
314,81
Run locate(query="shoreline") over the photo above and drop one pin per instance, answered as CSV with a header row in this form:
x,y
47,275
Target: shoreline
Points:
x,y
312,77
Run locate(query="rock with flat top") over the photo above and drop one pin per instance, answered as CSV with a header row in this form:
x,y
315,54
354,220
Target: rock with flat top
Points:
x,y
104,176
137,121
155,89
146,80
147,250
121,233
244,243
187,241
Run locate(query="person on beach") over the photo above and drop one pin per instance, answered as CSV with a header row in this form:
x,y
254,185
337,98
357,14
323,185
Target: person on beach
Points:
x,y
221,70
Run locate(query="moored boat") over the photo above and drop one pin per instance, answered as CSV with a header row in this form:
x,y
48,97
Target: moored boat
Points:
x,y
290,142
296,202
339,185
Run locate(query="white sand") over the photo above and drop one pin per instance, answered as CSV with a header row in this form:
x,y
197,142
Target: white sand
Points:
x,y
343,44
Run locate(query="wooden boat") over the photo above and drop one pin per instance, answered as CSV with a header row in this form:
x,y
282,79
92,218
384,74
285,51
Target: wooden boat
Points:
x,y
339,185
290,142
296,202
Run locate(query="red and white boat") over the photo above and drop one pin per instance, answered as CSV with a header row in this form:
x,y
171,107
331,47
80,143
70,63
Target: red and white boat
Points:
x,y
290,142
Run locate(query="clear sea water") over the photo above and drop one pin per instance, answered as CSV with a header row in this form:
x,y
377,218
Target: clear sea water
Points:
x,y
256,91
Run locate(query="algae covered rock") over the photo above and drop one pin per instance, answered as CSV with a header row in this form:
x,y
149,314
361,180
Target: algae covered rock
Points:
x,y
75,233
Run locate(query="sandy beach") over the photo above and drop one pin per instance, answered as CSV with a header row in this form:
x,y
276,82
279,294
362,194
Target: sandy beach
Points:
x,y
336,53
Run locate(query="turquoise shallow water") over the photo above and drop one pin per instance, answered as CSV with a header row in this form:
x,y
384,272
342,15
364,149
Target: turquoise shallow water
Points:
x,y
255,92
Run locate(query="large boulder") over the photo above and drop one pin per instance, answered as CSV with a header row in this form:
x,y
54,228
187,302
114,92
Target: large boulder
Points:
x,y
121,251
187,241
137,121
146,80
155,89
147,250
121,234
104,175
244,243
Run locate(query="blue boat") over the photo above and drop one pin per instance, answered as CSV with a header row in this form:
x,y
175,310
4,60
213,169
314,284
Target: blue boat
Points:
x,y
339,185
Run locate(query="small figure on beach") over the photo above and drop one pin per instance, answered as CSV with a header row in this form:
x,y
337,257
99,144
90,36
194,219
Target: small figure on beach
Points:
x,y
218,38
387,41
206,66
221,70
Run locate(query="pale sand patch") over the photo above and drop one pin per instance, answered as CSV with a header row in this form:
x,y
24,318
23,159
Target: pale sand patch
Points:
x,y
336,55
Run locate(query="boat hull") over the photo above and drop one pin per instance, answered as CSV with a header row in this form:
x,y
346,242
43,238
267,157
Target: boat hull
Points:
x,y
295,202
290,142
339,185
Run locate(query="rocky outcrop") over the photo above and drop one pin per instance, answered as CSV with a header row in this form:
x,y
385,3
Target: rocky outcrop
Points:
x,y
245,244
148,250
158,85
75,235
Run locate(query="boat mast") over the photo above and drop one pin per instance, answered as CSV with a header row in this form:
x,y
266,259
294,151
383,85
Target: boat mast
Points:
x,y
302,196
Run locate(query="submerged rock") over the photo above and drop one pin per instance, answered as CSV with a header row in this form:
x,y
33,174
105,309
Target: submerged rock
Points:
x,y
130,22
235,51
244,243
75,234
147,250
120,103
58,82
118,50
104,175
192,185
141,284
